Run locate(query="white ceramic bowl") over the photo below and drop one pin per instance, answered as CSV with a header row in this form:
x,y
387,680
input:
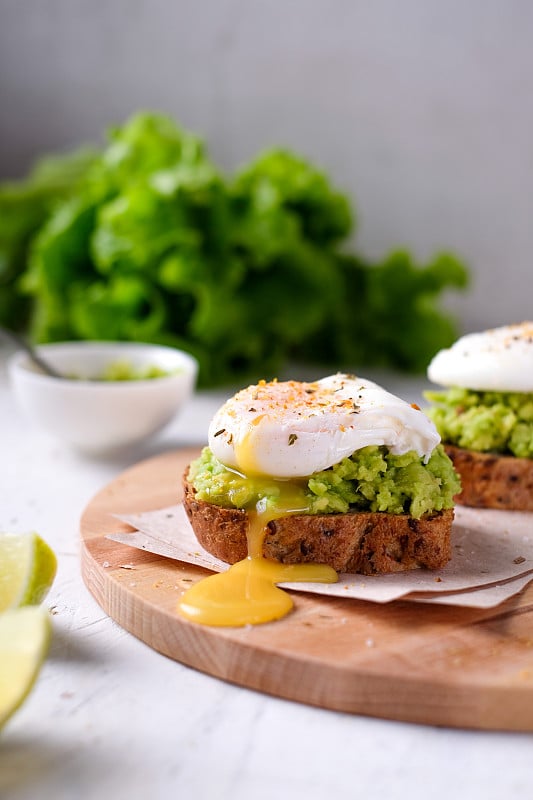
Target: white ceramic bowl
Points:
x,y
98,416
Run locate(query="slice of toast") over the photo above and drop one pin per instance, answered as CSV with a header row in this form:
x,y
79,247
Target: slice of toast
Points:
x,y
369,543
493,481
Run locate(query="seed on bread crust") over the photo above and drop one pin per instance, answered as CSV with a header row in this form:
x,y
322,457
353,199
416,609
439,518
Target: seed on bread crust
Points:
x,y
369,543
493,481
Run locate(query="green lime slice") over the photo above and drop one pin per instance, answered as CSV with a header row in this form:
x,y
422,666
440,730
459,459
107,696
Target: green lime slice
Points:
x,y
24,641
27,569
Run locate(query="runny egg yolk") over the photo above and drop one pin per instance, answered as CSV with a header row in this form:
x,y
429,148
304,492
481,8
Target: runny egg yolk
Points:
x,y
247,593
245,452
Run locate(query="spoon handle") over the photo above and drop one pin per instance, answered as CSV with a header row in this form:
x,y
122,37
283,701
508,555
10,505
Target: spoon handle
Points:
x,y
37,360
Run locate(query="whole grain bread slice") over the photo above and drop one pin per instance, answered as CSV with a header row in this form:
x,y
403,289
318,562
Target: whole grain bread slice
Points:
x,y
369,543
493,481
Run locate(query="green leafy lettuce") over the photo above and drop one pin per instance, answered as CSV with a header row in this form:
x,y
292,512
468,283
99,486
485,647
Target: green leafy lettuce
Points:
x,y
147,240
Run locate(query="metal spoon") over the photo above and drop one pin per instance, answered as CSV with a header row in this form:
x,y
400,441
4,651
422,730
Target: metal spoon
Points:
x,y
37,359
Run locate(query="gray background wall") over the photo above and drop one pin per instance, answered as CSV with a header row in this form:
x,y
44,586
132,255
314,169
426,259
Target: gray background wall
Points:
x,y
422,110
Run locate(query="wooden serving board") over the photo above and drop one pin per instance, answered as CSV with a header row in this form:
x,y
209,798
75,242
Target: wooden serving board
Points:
x,y
436,665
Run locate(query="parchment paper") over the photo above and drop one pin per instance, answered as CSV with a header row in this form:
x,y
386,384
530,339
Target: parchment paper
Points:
x,y
492,559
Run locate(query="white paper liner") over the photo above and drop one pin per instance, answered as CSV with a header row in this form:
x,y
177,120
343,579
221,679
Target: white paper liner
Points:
x,y
492,559
485,597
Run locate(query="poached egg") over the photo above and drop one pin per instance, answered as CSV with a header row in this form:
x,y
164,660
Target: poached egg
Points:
x,y
287,431
293,429
500,359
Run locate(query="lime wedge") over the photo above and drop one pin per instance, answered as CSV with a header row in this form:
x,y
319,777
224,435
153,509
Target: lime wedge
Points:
x,y
27,569
24,640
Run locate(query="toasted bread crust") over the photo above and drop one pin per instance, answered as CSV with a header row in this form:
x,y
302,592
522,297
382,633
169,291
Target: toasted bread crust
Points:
x,y
493,481
369,543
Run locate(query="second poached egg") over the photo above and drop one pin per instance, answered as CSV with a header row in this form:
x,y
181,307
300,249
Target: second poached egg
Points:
x,y
500,359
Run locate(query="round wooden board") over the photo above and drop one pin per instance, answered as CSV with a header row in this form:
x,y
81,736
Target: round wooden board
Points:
x,y
437,665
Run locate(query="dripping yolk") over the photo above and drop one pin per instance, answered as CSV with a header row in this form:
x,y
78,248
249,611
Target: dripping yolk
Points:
x,y
245,452
247,594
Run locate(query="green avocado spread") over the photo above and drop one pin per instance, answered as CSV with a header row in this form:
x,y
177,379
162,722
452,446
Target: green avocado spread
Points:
x,y
124,371
496,422
372,479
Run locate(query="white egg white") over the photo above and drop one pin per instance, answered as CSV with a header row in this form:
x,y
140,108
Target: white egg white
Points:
x,y
500,359
292,429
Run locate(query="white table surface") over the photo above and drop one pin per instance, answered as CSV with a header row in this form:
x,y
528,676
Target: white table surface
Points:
x,y
111,718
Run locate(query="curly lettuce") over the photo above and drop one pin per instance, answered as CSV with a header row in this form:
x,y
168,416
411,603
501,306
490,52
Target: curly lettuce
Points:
x,y
146,239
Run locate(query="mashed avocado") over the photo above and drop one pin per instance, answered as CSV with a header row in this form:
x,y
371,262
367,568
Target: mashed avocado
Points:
x,y
372,479
124,371
497,422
